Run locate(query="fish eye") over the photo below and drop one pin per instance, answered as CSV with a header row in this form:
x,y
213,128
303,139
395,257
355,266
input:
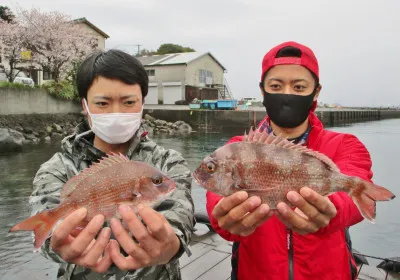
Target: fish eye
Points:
x,y
210,167
157,179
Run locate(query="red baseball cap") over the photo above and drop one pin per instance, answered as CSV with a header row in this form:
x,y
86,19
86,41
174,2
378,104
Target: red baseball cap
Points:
x,y
307,58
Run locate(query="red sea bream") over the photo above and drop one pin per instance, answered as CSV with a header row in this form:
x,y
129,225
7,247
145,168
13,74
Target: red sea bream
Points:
x,y
270,166
101,188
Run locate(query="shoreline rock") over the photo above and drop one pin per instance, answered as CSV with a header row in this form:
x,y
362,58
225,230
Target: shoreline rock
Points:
x,y
156,126
18,130
11,140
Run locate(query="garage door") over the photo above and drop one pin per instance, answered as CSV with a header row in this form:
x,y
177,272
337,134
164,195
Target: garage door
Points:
x,y
152,95
172,92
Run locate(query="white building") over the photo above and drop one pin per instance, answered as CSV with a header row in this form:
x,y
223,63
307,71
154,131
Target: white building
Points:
x,y
184,76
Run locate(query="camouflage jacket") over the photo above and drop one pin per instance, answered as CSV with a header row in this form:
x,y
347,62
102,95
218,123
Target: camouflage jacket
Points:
x,y
77,154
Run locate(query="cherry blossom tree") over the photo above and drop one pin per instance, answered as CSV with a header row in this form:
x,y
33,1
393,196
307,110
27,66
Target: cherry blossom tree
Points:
x,y
55,41
12,42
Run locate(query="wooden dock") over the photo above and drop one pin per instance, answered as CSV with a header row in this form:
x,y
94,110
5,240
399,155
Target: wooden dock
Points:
x,y
211,259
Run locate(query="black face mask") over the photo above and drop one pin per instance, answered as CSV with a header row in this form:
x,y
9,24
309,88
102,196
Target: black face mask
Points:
x,y
288,110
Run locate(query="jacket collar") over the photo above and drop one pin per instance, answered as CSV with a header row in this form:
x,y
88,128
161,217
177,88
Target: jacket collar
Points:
x,y
315,123
80,146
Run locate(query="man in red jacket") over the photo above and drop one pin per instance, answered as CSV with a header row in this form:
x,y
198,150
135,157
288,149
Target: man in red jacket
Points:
x,y
310,241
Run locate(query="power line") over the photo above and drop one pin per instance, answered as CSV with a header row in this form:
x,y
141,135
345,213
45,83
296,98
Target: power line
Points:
x,y
130,45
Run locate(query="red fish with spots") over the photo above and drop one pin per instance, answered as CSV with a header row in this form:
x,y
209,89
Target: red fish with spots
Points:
x,y
269,167
101,188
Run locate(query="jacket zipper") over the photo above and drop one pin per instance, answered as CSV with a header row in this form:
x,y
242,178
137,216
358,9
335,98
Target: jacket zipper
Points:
x,y
290,252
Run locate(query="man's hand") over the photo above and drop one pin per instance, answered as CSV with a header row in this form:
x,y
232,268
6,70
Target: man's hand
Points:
x,y
240,214
80,247
313,211
157,243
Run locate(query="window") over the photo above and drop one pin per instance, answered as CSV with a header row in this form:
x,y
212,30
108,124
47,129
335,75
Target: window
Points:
x,y
47,75
151,72
205,76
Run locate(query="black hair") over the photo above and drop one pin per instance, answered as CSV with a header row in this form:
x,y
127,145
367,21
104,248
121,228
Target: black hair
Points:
x,y
111,64
291,52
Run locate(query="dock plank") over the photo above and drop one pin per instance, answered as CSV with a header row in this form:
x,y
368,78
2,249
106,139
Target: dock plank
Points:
x,y
203,264
198,250
374,273
209,238
221,271
225,247
211,259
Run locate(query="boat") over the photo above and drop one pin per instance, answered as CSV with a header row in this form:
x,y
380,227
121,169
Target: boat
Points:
x,y
215,104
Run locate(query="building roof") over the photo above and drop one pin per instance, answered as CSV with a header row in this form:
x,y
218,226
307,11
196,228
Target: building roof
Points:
x,y
175,59
91,25
149,60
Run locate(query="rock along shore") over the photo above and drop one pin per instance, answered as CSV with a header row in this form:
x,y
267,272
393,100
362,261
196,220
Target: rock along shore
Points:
x,y
19,130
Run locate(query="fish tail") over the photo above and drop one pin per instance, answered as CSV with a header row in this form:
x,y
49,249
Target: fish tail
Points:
x,y
41,224
365,194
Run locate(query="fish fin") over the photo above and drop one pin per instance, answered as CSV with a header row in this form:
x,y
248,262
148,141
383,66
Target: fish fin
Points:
x,y
265,198
251,189
105,162
237,180
323,158
269,138
239,187
41,224
133,205
250,135
365,194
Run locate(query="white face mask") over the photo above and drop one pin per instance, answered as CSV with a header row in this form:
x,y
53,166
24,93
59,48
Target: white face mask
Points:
x,y
115,128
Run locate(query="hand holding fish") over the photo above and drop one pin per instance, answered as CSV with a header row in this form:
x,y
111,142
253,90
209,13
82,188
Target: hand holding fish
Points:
x,y
83,249
157,243
240,214
100,189
313,211
272,170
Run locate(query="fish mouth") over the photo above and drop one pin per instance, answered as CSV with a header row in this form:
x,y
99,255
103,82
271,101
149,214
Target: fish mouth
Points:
x,y
196,178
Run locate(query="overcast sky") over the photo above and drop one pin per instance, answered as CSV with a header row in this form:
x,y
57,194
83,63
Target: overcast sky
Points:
x,y
356,42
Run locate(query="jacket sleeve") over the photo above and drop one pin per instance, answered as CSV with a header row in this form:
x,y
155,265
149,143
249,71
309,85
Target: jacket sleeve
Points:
x,y
213,199
178,209
47,185
353,159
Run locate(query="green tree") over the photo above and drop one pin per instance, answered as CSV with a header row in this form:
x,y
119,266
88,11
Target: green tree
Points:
x,y
6,14
173,48
145,52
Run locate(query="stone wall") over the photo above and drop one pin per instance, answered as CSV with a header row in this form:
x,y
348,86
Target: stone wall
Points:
x,y
34,128
225,120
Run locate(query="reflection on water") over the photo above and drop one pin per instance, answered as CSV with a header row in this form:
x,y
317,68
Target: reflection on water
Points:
x,y
381,139
17,170
17,261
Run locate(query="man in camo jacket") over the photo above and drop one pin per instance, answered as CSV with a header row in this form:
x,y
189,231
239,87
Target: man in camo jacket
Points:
x,y
115,82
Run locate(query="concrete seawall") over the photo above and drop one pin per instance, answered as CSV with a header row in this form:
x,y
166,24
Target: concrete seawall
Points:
x,y
15,101
25,105
220,120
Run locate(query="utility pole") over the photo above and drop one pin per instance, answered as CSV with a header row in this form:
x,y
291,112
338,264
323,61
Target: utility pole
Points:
x,y
128,45
138,49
